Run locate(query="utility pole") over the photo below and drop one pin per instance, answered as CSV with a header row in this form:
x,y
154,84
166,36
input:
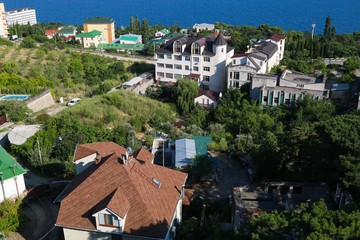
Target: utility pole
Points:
x,y
41,162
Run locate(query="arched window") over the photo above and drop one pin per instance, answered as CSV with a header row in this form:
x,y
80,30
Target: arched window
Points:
x,y
196,48
177,47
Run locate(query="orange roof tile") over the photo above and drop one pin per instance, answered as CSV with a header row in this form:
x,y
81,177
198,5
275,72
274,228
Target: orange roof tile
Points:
x,y
144,155
188,195
149,208
277,37
101,148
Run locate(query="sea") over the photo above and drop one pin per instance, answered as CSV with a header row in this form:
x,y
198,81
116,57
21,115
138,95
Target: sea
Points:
x,y
287,14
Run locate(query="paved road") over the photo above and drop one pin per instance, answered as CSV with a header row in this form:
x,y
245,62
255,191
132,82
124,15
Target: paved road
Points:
x,y
119,57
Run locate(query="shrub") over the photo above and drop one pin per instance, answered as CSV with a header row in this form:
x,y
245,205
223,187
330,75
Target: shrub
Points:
x,y
9,216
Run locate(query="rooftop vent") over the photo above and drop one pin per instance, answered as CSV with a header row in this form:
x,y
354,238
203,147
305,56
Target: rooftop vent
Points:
x,y
156,181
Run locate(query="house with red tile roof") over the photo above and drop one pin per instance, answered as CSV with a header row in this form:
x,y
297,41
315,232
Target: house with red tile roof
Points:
x,y
117,195
51,33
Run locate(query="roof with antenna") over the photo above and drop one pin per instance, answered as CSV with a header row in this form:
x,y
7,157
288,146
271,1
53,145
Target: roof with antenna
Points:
x,y
8,166
146,193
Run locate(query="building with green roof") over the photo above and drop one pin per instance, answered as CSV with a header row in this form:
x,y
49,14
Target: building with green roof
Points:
x,y
90,39
105,25
67,31
129,39
99,20
11,177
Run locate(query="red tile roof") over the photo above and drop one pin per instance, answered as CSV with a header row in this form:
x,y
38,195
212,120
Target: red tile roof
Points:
x,y
101,148
194,75
51,32
123,188
277,37
144,155
210,94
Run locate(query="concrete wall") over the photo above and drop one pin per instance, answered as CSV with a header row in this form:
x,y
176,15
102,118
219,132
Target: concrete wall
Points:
x,y
9,187
41,101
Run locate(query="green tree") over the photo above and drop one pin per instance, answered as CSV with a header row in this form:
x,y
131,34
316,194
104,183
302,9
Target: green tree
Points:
x,y
9,216
186,91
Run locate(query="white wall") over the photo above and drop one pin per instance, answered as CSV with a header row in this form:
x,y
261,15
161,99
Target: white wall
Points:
x,y
203,100
9,186
72,234
84,163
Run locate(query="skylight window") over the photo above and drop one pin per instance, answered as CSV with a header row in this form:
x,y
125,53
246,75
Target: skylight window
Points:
x,y
156,181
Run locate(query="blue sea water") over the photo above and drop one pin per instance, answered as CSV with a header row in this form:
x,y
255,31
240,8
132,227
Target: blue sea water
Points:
x,y
287,14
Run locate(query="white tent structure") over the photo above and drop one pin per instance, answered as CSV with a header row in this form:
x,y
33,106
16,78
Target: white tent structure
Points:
x,y
184,151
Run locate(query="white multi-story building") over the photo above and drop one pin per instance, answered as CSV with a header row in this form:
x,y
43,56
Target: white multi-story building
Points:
x,y
272,90
203,26
202,59
3,25
21,16
260,59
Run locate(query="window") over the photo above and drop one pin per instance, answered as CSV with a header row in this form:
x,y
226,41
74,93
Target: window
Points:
x,y
249,76
161,56
222,49
160,65
236,75
205,87
177,58
261,63
160,74
187,67
207,69
276,100
177,47
177,66
206,59
231,75
187,58
234,61
168,56
248,63
196,69
177,76
195,48
196,59
206,78
169,75
169,66
108,220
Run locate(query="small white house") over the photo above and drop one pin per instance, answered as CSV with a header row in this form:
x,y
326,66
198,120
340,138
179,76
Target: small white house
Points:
x,y
162,33
11,177
207,98
203,26
90,39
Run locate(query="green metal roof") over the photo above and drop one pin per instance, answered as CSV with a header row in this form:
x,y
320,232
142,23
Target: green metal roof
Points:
x,y
67,29
134,47
99,20
91,34
129,38
165,31
8,165
201,143
173,35
161,40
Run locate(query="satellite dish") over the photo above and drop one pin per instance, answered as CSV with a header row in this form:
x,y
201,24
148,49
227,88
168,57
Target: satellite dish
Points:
x,y
129,149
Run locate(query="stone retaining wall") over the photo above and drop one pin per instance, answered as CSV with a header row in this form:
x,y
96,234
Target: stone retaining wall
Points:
x,y
41,101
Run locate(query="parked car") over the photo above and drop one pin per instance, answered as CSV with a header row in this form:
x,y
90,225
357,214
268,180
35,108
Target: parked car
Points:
x,y
73,101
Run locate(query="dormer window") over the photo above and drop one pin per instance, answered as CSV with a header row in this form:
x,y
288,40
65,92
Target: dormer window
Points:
x,y
177,47
108,220
196,48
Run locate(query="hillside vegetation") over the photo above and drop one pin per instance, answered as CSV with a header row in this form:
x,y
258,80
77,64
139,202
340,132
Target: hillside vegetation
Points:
x,y
117,117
